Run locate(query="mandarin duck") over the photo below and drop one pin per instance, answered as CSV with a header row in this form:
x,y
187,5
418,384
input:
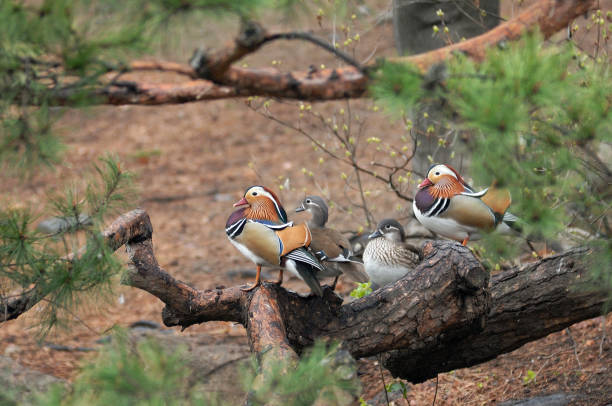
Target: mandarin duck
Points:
x,y
260,230
387,258
448,206
332,248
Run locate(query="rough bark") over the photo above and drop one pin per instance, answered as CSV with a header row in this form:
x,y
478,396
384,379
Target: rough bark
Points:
x,y
446,294
14,307
268,338
220,79
443,315
526,304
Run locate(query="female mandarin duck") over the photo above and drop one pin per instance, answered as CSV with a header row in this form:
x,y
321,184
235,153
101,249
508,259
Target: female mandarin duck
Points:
x,y
261,232
447,205
330,246
387,258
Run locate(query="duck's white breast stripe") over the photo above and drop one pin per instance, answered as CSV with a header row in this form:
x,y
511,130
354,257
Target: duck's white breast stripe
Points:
x,y
440,205
235,228
443,208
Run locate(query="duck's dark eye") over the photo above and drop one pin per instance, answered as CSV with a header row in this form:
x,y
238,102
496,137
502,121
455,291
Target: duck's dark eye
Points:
x,y
388,226
308,201
437,173
254,193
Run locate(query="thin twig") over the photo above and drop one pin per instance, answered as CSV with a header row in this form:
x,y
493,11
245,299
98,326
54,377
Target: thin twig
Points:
x,y
436,393
532,248
305,36
70,312
569,333
603,335
382,377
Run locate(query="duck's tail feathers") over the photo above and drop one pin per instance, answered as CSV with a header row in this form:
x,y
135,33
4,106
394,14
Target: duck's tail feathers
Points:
x,y
307,266
509,224
308,275
302,255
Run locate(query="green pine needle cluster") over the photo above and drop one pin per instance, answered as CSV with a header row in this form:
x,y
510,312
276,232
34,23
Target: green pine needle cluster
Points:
x,y
325,372
537,116
125,373
147,373
70,264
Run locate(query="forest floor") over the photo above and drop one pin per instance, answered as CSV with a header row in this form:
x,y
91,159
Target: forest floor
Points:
x,y
193,161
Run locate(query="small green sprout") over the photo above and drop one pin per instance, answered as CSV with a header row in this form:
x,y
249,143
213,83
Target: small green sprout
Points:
x,y
529,377
362,289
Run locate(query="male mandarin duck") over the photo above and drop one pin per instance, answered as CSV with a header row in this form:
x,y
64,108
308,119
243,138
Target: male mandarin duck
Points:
x,y
332,248
447,205
387,258
261,232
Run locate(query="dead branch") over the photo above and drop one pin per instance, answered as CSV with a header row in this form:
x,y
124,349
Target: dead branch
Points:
x,y
162,66
142,93
549,16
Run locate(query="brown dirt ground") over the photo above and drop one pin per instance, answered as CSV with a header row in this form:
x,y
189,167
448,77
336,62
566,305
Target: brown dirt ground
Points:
x,y
193,161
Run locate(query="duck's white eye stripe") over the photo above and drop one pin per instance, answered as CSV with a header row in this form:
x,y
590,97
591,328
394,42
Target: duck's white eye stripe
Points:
x,y
446,171
276,204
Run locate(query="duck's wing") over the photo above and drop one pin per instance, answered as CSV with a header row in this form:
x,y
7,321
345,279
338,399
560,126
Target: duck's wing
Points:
x,y
498,201
293,237
470,211
259,240
355,271
323,241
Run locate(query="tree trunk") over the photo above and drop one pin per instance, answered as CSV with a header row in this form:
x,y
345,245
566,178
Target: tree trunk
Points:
x,y
413,22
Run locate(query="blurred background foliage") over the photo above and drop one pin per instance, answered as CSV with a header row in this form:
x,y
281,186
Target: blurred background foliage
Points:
x,y
64,261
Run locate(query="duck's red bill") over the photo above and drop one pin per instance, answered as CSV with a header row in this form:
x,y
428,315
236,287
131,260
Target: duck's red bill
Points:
x,y
241,202
426,182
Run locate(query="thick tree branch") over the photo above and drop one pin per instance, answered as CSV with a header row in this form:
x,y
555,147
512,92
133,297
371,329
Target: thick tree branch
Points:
x,y
268,337
446,294
441,316
527,303
15,306
549,16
